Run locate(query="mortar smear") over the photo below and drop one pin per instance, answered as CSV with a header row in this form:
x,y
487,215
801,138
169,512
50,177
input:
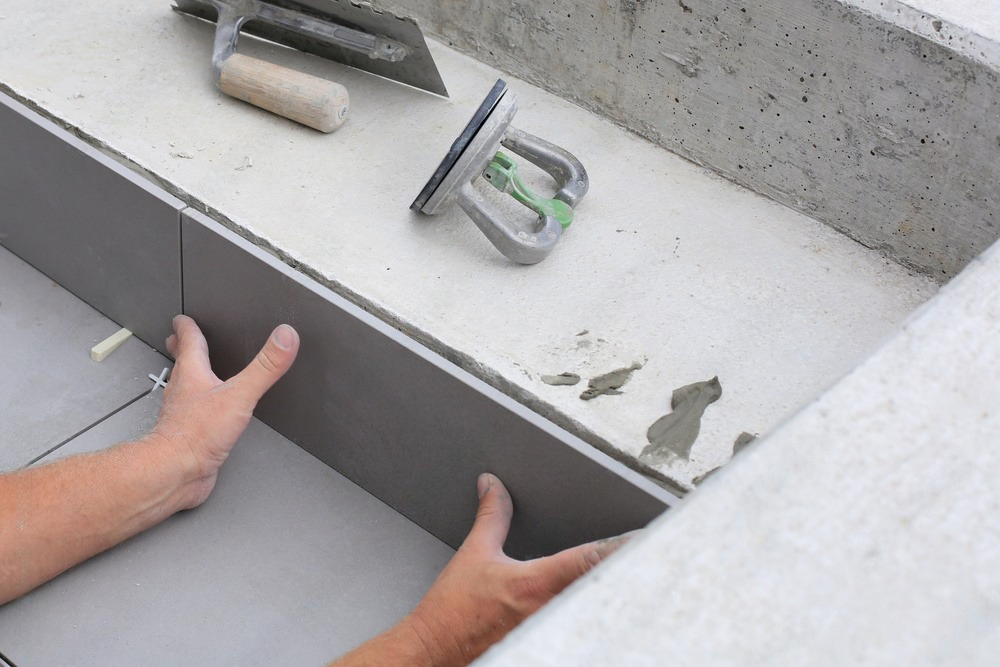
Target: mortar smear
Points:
x,y
563,379
672,436
742,440
609,383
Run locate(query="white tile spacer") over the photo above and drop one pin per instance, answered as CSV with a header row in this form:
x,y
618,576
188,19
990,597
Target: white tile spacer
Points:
x,y
100,351
159,381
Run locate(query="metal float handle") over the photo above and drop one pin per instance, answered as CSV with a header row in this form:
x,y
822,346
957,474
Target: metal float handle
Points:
x,y
560,164
516,243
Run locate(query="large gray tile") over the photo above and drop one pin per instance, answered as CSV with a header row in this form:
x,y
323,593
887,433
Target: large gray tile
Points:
x,y
398,420
50,389
287,563
105,234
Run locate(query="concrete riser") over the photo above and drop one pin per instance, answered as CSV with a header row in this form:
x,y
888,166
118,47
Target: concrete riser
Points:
x,y
889,136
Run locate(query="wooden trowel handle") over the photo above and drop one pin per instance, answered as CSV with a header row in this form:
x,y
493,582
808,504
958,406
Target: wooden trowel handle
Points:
x,y
304,98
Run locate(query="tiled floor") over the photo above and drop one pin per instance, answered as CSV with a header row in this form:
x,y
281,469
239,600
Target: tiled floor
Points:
x,y
287,563
50,390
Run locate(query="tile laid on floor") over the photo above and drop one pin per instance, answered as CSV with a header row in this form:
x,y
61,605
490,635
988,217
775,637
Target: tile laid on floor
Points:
x,y
286,563
50,389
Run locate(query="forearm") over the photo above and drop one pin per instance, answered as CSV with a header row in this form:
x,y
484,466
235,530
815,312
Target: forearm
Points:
x,y
57,515
403,644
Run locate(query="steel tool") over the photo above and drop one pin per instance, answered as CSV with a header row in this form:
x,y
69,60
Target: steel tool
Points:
x,y
346,31
477,153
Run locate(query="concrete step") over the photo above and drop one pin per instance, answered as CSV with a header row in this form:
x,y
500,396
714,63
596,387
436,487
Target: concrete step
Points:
x,y
878,117
667,265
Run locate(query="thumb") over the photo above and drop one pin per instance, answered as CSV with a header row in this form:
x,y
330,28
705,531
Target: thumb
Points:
x,y
562,569
273,361
496,509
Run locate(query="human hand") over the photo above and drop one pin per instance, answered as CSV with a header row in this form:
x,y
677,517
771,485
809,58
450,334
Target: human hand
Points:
x,y
483,594
202,416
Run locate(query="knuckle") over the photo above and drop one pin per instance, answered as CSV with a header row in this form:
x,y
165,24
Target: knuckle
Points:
x,y
265,359
494,510
588,560
486,512
528,592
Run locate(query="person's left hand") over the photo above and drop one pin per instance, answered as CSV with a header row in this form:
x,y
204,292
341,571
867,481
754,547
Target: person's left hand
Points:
x,y
202,416
481,595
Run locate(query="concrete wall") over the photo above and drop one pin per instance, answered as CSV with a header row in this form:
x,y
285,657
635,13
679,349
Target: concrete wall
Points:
x,y
891,136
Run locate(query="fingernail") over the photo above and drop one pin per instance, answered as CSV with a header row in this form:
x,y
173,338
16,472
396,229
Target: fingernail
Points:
x,y
483,484
284,336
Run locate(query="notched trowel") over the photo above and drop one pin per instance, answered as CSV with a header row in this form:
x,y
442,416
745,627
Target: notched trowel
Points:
x,y
346,31
476,153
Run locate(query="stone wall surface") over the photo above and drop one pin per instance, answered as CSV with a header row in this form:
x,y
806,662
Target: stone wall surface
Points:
x,y
877,118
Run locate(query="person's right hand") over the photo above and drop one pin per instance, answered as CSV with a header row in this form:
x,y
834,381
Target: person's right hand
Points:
x,y
56,515
481,595
202,416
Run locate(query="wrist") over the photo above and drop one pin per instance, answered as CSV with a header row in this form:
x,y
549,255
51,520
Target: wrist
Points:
x,y
181,469
433,643
406,643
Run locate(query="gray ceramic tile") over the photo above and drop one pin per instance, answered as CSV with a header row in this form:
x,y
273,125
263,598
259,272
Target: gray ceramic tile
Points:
x,y
50,390
287,563
105,234
133,422
398,420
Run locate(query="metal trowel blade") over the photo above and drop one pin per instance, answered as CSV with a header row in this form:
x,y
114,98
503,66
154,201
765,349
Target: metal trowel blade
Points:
x,y
417,69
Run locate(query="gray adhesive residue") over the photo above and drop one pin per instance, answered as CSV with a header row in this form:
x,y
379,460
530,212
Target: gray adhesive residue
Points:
x,y
567,379
609,383
672,435
742,440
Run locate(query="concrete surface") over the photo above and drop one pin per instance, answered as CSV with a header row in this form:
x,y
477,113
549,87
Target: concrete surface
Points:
x,y
864,531
852,111
969,27
666,264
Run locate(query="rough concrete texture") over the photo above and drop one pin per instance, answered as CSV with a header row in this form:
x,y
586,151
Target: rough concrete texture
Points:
x,y
875,117
969,27
666,264
864,531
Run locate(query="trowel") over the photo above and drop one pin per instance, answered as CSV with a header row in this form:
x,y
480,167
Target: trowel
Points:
x,y
476,153
346,31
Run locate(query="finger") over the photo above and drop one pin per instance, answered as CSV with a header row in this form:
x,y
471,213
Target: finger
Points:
x,y
273,361
190,349
172,345
496,509
560,570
